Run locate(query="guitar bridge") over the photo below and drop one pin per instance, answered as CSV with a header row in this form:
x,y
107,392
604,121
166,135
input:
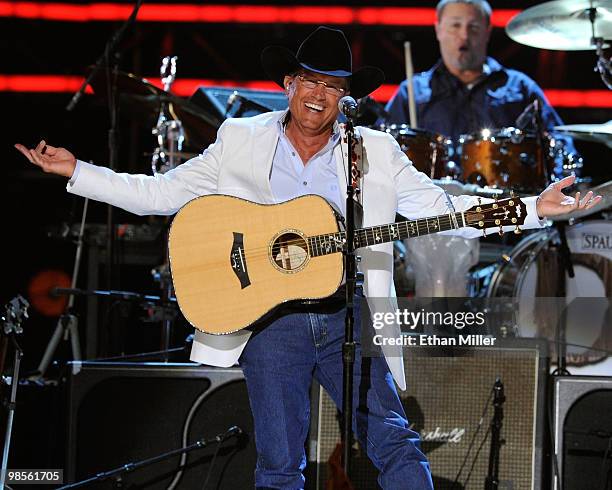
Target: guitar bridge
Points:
x,y
238,261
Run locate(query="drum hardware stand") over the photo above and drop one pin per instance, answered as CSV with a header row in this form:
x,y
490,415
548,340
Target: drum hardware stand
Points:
x,y
16,311
117,473
564,263
170,136
492,480
67,324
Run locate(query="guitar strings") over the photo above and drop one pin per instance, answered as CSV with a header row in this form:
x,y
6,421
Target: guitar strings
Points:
x,y
263,251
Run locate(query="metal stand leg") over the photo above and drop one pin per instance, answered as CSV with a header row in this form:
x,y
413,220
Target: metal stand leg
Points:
x,y
11,410
67,325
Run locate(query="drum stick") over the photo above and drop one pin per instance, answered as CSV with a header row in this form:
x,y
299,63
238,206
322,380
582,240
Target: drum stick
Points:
x,y
409,75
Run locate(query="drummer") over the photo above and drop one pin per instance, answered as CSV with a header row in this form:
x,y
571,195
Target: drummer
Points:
x,y
467,91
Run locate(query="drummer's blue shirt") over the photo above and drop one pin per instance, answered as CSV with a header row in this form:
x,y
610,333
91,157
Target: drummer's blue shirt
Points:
x,y
449,107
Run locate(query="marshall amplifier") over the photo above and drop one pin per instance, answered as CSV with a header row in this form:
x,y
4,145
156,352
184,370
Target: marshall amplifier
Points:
x,y
124,413
583,431
448,401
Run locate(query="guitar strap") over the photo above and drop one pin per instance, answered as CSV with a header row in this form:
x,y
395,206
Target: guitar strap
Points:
x,y
359,167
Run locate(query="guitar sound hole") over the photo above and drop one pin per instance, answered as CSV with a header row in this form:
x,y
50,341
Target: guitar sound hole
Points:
x,y
289,252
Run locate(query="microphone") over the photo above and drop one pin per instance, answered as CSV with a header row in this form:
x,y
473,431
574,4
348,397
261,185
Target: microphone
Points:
x,y
348,106
525,118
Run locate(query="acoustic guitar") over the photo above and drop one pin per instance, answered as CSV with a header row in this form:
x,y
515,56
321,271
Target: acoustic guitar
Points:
x,y
233,261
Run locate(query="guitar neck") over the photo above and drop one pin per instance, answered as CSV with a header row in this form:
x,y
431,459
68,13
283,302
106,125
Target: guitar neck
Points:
x,y
374,235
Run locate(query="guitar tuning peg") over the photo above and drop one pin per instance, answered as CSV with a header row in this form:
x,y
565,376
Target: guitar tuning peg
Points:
x,y
496,197
501,230
479,200
517,230
511,193
484,232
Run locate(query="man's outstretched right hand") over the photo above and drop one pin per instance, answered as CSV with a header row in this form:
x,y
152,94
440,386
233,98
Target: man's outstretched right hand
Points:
x,y
51,159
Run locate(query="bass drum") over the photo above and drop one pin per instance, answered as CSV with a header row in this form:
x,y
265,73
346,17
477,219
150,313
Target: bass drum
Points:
x,y
529,277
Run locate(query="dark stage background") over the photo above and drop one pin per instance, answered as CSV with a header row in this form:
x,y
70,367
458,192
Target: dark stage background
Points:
x,y
35,205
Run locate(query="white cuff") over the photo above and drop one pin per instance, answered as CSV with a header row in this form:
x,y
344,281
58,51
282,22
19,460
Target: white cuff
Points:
x,y
75,174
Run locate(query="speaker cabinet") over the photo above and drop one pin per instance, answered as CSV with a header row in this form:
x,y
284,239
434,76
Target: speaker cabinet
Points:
x,y
445,401
583,431
123,413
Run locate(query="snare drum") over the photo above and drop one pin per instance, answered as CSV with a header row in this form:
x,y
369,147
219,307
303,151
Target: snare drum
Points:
x,y
505,159
429,152
528,278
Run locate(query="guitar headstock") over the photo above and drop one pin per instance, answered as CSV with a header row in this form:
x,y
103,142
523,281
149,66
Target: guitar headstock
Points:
x,y
14,313
504,212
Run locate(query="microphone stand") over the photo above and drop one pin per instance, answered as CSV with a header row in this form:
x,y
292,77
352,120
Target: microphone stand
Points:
x,y
492,480
540,130
350,268
16,310
12,404
117,473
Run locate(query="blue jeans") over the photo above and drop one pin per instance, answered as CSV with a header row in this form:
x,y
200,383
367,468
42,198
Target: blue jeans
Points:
x,y
279,363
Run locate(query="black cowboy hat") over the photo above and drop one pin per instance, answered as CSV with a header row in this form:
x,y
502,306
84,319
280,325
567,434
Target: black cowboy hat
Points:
x,y
325,51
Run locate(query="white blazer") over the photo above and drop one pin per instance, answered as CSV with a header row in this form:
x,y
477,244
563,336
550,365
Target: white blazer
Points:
x,y
239,162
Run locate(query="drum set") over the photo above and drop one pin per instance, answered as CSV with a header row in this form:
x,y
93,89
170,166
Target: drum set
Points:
x,y
546,270
492,159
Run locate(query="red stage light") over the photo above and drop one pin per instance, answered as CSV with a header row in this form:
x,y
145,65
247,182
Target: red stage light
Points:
x,y
186,87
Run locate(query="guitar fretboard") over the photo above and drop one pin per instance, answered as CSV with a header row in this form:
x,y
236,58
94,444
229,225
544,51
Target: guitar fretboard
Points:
x,y
334,242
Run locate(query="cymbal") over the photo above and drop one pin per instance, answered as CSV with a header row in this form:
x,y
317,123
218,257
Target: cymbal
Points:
x,y
598,133
142,100
562,24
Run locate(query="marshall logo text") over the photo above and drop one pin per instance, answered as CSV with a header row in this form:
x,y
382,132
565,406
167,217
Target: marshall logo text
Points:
x,y
438,435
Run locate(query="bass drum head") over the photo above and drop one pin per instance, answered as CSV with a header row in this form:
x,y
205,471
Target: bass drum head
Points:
x,y
529,277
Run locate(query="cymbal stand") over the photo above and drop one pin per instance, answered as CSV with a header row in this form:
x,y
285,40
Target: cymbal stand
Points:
x,y
168,131
109,56
604,65
170,137
67,324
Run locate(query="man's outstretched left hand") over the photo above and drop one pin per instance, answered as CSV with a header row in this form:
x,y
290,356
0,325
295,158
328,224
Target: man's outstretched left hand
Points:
x,y
552,201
